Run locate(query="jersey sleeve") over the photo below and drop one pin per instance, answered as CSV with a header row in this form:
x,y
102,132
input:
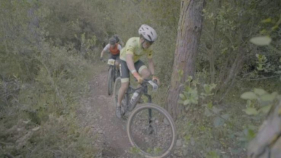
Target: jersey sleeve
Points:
x,y
130,49
119,47
106,48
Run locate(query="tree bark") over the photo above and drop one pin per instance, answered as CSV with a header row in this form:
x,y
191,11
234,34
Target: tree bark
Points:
x,y
212,51
189,31
267,142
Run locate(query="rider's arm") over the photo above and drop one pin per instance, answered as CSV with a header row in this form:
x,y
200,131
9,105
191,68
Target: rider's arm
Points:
x,y
130,63
101,54
131,66
151,66
104,49
119,47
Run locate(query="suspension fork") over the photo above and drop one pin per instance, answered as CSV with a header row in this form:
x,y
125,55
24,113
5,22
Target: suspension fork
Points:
x,y
113,72
149,115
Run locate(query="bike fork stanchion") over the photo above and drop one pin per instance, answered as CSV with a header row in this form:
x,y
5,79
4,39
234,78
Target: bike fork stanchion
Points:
x,y
112,75
150,128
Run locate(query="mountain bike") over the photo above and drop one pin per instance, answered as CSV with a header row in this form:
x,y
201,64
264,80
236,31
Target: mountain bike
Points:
x,y
150,128
113,73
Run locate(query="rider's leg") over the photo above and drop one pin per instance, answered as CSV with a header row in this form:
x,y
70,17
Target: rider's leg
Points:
x,y
144,72
142,69
117,64
121,92
124,73
116,57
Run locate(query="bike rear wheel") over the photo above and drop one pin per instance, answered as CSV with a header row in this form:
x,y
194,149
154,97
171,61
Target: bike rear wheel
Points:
x,y
110,81
151,129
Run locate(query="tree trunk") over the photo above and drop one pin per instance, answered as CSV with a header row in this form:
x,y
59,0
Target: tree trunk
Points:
x,y
267,142
212,51
189,31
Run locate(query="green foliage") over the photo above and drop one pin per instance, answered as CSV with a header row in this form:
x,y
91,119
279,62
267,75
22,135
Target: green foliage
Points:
x,y
154,151
48,102
266,62
212,154
191,93
261,41
135,152
226,48
63,24
261,62
41,85
264,65
247,134
259,102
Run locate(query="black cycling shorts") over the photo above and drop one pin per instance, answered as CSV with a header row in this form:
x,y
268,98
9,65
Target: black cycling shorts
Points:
x,y
125,72
115,57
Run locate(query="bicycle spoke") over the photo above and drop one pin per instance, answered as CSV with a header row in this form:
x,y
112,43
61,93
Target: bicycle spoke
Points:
x,y
153,135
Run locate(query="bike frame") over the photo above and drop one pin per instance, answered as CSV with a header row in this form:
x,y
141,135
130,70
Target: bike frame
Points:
x,y
143,90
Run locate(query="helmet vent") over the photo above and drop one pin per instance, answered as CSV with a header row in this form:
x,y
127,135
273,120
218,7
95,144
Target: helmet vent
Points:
x,y
149,37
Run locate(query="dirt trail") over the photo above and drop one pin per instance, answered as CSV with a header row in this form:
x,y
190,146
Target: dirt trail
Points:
x,y
98,113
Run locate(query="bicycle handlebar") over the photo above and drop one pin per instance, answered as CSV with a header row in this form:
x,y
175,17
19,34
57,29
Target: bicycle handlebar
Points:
x,y
152,83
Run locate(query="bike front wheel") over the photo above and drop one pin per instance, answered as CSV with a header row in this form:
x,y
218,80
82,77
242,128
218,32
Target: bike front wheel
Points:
x,y
151,129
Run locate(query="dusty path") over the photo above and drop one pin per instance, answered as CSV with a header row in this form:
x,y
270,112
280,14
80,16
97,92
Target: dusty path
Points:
x,y
98,113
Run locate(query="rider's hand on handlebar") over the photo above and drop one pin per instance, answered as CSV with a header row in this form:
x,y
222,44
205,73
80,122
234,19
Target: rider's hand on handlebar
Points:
x,y
138,77
101,59
154,78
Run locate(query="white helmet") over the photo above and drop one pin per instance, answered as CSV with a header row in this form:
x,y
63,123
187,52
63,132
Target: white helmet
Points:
x,y
148,33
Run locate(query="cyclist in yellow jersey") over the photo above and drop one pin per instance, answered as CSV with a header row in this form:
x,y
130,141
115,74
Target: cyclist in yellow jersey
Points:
x,y
129,58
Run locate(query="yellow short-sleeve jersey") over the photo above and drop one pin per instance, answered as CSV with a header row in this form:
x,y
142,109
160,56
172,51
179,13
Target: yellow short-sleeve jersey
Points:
x,y
133,46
